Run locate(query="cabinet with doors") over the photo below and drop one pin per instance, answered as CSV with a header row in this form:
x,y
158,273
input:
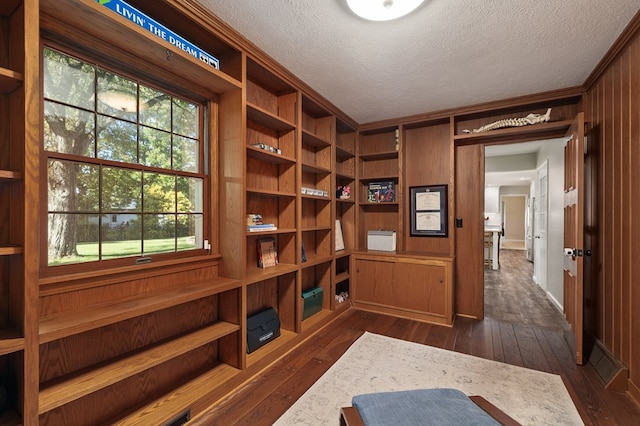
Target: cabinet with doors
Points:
x,y
415,287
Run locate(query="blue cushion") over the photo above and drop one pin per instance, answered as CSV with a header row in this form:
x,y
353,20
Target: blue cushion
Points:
x,y
420,407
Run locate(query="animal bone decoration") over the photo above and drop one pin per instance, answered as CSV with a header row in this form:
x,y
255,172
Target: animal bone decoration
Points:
x,y
513,122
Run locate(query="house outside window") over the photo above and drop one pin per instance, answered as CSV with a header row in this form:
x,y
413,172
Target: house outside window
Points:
x,y
125,165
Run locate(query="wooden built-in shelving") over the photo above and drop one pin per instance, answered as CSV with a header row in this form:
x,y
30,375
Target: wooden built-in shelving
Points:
x,y
63,391
64,324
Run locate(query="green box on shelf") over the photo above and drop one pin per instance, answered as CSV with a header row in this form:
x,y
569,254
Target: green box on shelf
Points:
x,y
312,302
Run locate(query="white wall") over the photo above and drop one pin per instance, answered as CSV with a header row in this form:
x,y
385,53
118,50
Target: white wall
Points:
x,y
553,151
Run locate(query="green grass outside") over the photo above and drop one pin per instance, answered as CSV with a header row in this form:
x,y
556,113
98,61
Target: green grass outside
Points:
x,y
88,252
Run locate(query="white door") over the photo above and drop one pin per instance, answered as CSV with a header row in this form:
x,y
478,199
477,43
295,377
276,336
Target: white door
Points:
x,y
540,227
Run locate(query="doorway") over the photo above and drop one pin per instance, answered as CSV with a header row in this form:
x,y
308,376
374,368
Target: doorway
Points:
x,y
518,291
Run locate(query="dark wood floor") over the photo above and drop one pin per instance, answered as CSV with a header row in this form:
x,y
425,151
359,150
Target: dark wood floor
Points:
x,y
527,344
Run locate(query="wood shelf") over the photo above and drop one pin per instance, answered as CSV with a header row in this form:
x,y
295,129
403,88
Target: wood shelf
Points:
x,y
64,324
316,320
316,197
343,153
341,277
256,274
366,179
11,341
268,193
9,80
272,232
269,157
541,131
311,139
275,346
264,117
10,175
382,155
311,168
213,381
347,201
103,24
346,176
61,392
316,260
10,251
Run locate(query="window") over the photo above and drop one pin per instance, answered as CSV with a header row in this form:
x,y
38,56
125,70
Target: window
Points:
x,y
125,165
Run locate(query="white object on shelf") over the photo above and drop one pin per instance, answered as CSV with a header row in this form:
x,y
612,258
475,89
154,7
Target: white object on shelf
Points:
x,y
381,240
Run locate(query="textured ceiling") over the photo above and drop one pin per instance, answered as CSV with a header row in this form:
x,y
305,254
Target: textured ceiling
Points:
x,y
449,53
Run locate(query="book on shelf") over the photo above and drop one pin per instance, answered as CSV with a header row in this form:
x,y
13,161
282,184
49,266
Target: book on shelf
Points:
x,y
381,192
254,219
303,255
339,239
267,252
262,227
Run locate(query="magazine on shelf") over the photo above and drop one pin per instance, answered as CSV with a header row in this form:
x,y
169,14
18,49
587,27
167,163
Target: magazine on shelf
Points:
x,y
381,192
267,253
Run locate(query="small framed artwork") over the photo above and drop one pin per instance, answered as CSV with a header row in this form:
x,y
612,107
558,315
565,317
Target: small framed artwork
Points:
x,y
429,216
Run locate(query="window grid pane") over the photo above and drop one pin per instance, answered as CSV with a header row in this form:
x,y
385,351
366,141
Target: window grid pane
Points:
x,y
126,192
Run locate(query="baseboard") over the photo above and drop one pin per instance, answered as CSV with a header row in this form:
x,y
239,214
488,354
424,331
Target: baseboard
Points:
x,y
555,302
611,371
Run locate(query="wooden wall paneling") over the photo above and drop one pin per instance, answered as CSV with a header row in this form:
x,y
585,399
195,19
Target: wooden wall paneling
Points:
x,y
623,112
469,202
616,218
427,154
634,233
608,190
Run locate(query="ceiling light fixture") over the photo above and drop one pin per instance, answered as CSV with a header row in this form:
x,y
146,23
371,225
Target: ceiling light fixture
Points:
x,y
383,10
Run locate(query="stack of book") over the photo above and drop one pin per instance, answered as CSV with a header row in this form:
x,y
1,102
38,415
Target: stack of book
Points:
x,y
255,224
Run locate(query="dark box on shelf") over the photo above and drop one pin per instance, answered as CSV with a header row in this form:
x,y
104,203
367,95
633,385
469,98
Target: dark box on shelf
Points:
x,y
312,302
262,328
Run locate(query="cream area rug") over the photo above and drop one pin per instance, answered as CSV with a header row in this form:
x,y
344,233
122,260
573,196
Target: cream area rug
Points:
x,y
377,363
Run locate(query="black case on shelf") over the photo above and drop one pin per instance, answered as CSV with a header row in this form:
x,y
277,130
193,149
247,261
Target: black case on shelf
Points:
x,y
262,328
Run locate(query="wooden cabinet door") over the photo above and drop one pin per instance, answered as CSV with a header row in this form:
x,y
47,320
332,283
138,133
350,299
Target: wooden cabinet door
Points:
x,y
375,282
420,287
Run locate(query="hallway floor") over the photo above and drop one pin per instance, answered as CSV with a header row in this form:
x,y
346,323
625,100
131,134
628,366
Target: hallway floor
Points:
x,y
511,295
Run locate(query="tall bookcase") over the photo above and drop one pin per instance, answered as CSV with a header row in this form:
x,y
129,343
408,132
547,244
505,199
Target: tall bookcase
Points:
x,y
18,99
379,161
271,191
316,194
345,208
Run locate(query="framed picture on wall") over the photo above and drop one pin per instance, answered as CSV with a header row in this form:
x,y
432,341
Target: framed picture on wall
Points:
x,y
429,215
